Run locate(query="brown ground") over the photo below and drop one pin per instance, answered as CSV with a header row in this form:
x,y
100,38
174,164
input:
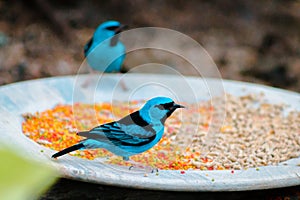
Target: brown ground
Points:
x,y
255,41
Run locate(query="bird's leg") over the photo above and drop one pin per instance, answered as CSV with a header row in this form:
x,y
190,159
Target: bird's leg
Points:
x,y
86,83
123,85
141,167
89,81
123,70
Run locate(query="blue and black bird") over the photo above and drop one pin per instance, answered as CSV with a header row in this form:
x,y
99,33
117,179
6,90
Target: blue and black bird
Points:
x,y
133,134
104,51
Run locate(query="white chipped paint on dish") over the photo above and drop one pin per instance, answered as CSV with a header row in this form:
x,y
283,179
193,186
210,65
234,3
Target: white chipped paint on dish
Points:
x,y
41,94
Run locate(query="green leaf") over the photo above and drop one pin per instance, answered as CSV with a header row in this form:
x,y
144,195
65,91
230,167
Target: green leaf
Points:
x,y
22,179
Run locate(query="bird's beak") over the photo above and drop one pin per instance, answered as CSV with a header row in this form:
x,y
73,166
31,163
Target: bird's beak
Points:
x,y
115,38
178,106
121,28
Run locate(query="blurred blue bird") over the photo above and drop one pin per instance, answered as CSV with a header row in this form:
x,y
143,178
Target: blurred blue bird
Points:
x,y
104,52
131,135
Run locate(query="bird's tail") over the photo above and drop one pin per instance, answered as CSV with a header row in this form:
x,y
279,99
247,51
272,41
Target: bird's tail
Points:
x,y
68,150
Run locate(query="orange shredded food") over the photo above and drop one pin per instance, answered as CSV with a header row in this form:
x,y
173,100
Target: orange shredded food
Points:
x,y
56,129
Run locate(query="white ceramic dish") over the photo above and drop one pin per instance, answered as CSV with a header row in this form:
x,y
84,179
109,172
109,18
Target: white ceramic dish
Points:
x,y
38,95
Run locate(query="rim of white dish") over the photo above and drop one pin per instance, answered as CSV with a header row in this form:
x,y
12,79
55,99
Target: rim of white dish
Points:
x,y
40,94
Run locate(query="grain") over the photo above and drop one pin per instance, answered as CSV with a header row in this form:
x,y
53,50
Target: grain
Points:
x,y
254,133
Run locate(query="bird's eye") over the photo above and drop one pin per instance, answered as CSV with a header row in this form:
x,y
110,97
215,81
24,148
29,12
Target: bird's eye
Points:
x,y
166,106
161,107
111,28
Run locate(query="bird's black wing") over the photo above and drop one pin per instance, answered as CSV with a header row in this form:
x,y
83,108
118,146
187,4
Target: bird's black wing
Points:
x,y
124,132
87,46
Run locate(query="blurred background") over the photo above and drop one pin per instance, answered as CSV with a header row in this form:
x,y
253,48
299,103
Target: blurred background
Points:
x,y
254,41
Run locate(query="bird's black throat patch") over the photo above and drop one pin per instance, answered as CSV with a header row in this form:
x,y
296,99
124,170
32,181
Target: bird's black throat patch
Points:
x,y
114,40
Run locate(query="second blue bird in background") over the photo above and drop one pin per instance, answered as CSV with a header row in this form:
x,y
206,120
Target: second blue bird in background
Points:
x,y
104,51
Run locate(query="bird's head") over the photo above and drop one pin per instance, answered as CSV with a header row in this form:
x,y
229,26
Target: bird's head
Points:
x,y
158,109
107,30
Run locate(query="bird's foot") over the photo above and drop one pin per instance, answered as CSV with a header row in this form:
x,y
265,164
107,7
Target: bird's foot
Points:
x,y
87,83
154,170
142,168
123,86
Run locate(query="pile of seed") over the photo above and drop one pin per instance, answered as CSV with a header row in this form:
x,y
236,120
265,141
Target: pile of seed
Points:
x,y
56,128
254,133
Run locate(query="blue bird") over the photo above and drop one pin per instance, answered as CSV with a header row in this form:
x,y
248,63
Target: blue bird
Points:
x,y
133,134
104,52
